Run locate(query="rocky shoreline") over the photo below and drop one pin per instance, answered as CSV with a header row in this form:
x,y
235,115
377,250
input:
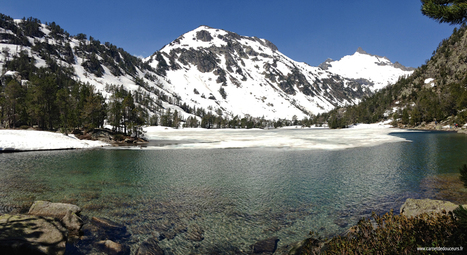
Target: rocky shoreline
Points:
x,y
411,208
59,228
110,137
435,126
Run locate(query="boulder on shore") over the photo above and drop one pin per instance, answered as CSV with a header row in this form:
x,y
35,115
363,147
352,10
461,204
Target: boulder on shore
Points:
x,y
67,213
414,207
56,210
29,234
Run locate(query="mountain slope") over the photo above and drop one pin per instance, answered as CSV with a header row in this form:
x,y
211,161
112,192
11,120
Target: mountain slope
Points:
x,y
247,75
204,71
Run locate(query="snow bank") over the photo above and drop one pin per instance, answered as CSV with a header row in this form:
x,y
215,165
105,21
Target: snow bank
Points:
x,y
30,140
383,124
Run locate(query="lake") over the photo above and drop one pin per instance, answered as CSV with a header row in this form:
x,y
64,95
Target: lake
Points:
x,y
234,188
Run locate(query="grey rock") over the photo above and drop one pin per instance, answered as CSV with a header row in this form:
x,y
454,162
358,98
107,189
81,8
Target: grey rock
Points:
x,y
56,210
30,234
204,36
72,222
414,207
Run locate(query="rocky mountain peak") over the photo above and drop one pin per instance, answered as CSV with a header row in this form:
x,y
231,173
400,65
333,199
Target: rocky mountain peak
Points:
x,y
361,51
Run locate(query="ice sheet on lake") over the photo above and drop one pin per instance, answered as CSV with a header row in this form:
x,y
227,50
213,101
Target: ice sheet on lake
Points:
x,y
327,139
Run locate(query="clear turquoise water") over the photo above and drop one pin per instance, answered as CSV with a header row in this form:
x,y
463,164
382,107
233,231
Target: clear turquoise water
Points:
x,y
235,196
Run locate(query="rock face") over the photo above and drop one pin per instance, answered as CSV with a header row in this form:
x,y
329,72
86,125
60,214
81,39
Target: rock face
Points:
x,y
29,234
414,207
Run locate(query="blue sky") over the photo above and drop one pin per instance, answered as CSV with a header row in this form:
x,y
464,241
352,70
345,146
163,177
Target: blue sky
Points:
x,y
307,31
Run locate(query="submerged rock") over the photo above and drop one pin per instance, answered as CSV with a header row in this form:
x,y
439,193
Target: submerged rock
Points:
x,y
414,207
29,234
267,246
195,233
107,229
113,248
341,222
308,246
150,247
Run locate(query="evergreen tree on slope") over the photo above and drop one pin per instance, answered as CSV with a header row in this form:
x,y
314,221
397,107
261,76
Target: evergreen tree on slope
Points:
x,y
446,11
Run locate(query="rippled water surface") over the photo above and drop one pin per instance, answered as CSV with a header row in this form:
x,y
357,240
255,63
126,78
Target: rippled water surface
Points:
x,y
232,197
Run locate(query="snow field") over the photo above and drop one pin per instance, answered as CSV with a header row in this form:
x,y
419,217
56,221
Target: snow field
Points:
x,y
30,140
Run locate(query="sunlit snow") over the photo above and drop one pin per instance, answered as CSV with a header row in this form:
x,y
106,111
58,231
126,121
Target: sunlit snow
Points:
x,y
378,70
361,135
26,140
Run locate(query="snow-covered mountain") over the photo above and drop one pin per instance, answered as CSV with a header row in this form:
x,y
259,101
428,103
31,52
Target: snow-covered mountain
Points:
x,y
372,71
207,68
242,75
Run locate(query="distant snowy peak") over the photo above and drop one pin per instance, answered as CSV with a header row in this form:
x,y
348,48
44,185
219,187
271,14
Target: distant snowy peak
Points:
x,y
372,71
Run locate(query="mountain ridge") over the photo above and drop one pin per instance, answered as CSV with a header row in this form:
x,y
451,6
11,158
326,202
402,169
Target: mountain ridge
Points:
x,y
226,53
206,68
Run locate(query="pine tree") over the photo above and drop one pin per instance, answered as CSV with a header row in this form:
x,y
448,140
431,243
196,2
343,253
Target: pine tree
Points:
x,y
14,97
463,172
405,116
446,11
63,103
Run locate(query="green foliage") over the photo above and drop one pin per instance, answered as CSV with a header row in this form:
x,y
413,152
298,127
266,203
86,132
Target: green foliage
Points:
x,y
398,234
461,214
463,174
446,11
